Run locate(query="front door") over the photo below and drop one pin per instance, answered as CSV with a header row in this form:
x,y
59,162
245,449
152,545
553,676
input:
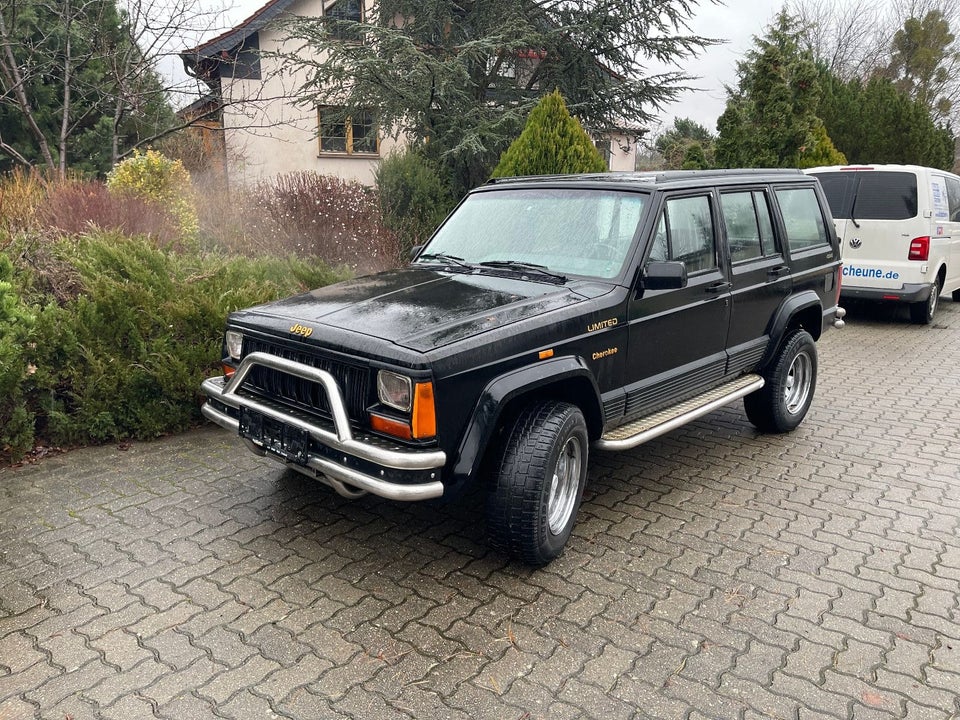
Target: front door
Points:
x,y
677,341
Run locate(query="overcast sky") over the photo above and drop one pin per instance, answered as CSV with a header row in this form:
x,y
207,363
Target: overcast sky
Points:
x,y
737,22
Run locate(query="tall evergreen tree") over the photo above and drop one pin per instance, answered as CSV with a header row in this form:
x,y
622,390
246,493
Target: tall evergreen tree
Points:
x,y
925,62
771,114
463,75
552,143
876,122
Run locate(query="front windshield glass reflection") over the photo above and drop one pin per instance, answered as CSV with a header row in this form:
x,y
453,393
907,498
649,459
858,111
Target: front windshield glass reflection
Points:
x,y
580,232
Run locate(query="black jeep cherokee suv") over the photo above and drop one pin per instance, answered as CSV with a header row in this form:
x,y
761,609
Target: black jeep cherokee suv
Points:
x,y
545,316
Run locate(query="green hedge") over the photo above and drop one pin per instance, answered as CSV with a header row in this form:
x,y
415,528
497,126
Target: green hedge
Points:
x,y
105,337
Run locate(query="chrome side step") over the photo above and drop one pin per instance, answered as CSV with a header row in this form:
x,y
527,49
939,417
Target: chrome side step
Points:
x,y
647,428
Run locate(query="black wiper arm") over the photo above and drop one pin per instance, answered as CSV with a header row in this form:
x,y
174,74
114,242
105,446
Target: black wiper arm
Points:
x,y
518,265
443,257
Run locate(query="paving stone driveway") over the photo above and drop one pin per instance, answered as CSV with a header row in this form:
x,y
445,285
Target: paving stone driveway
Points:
x,y
713,573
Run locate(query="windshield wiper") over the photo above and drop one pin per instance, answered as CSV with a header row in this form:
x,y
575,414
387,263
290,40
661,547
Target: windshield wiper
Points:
x,y
525,266
443,257
853,204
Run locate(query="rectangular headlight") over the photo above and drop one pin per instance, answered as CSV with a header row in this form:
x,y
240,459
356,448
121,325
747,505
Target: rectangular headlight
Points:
x,y
394,390
234,342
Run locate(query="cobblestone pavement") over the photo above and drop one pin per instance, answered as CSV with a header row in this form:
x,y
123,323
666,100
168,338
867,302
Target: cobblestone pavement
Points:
x,y
714,573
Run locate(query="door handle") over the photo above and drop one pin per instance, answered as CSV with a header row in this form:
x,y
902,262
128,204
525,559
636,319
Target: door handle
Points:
x,y
719,287
778,271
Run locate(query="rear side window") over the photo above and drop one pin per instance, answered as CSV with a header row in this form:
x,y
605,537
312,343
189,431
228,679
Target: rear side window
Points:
x,y
869,195
746,218
802,218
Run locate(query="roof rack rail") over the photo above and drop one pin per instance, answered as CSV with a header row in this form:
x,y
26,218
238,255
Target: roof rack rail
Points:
x,y
648,175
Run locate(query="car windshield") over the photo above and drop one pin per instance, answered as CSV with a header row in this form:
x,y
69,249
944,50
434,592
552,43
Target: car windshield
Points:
x,y
569,231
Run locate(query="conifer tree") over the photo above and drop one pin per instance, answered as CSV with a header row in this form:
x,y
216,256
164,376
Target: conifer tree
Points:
x,y
821,151
552,143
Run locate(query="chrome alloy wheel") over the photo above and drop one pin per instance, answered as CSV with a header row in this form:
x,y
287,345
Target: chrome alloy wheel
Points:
x,y
796,389
564,485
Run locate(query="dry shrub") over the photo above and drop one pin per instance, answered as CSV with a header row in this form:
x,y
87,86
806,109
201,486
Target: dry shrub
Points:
x,y
307,215
76,207
21,192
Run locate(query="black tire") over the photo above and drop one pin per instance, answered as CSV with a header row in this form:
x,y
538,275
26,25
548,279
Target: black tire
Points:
x,y
538,482
791,379
955,295
922,313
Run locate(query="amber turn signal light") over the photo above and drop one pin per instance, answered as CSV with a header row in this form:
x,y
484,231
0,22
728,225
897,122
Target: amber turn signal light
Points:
x,y
424,412
389,426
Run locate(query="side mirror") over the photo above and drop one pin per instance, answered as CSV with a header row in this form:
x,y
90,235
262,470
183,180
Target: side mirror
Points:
x,y
670,275
413,252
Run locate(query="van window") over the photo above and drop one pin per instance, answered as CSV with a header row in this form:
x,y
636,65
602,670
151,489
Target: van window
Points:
x,y
869,195
802,218
685,232
746,217
953,197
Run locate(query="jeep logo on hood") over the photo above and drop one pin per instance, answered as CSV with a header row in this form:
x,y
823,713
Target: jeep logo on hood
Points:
x,y
299,329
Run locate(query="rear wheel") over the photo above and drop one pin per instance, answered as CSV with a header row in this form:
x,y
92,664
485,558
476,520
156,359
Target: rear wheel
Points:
x,y
538,482
955,295
922,312
790,380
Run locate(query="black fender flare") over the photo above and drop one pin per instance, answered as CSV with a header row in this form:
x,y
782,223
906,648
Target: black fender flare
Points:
x,y
500,391
785,313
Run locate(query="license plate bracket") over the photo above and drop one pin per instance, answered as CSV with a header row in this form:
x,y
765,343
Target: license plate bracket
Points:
x,y
290,443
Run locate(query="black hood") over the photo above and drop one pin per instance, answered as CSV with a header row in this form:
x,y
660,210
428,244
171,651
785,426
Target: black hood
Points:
x,y
417,308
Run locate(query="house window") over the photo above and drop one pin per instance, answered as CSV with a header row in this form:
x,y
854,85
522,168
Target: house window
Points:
x,y
351,135
603,147
344,13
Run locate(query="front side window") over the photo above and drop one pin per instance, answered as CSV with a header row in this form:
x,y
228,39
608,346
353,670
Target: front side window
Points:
x,y
340,133
685,233
802,219
571,231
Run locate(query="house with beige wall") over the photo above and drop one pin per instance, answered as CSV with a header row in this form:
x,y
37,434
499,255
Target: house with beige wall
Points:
x,y
252,102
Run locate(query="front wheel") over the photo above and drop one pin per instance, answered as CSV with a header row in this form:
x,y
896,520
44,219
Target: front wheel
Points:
x,y
922,313
538,482
782,403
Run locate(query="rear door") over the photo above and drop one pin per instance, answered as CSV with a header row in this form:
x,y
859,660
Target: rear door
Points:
x,y
677,341
758,270
807,240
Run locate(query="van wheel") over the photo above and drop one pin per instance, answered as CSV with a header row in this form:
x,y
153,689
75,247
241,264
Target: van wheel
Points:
x,y
782,403
922,312
538,482
955,295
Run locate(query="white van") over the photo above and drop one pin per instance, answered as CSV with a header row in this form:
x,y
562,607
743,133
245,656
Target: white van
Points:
x,y
899,230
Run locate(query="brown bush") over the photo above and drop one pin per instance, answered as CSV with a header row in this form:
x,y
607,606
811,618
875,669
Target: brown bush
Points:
x,y
306,215
78,206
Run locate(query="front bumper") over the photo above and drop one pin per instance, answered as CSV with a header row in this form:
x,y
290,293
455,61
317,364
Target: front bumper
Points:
x,y
349,464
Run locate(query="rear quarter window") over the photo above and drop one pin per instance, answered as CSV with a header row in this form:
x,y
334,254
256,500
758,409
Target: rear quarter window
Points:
x,y
802,218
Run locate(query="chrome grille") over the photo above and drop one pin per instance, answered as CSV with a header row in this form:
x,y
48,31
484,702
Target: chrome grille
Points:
x,y
354,380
